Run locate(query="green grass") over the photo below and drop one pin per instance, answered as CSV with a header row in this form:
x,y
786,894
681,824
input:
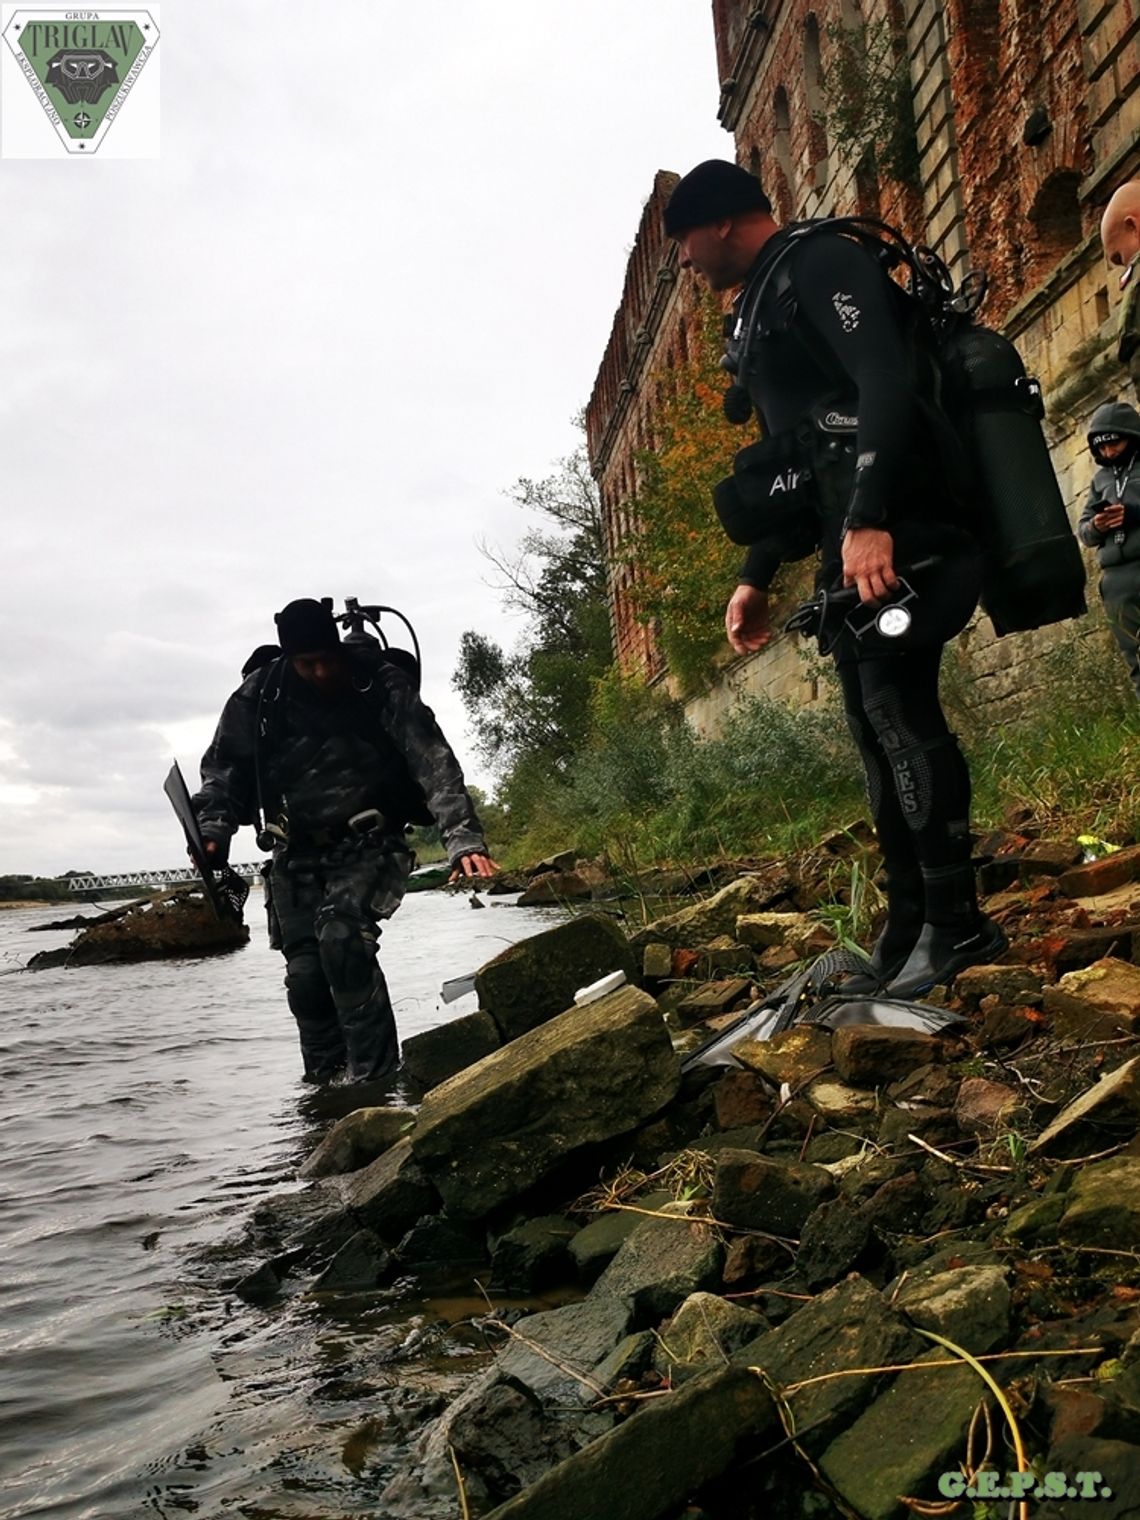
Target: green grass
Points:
x,y
647,791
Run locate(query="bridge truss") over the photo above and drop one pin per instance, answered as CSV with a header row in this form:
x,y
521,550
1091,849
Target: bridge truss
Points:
x,y
168,877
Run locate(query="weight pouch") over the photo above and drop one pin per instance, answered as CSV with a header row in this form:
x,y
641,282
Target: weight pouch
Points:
x,y
769,494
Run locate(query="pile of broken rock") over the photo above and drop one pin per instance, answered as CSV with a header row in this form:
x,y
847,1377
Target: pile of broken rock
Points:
x,y
767,1273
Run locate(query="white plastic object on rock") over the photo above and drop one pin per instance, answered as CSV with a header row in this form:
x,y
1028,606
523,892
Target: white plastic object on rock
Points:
x,y
599,988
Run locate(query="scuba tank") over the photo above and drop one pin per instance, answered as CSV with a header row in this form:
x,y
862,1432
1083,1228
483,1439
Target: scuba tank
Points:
x,y
1033,572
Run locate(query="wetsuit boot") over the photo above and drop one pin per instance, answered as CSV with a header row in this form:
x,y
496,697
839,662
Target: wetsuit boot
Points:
x,y
905,917
956,933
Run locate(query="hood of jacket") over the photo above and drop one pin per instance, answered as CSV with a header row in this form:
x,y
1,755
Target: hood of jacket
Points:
x,y
1116,417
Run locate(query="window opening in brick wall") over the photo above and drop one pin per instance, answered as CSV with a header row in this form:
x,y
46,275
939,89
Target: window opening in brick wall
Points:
x,y
1102,307
1056,217
782,142
820,164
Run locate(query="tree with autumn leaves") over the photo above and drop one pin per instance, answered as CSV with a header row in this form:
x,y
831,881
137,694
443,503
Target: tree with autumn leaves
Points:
x,y
685,567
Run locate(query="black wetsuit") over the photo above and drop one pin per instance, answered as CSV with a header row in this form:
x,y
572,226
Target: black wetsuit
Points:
x,y
836,365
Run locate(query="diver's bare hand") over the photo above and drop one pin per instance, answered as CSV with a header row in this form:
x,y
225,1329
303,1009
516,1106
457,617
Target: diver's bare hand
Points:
x,y
868,563
746,620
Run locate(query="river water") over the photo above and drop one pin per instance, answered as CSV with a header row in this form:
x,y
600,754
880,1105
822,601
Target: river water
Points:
x,y
147,1112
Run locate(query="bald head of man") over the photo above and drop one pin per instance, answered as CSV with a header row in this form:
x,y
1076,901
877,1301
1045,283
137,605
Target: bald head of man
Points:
x,y
1120,226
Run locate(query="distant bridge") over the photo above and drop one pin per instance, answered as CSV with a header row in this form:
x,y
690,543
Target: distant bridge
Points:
x,y
169,877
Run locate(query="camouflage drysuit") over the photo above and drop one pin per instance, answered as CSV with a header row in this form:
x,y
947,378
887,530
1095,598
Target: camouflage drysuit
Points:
x,y
322,761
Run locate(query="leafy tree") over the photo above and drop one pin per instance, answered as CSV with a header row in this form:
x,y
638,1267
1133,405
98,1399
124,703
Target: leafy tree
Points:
x,y
530,707
686,566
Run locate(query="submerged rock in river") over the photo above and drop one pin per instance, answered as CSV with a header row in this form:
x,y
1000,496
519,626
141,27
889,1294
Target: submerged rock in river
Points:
x,y
177,922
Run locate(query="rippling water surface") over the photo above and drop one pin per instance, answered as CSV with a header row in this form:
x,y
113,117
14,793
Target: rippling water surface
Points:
x,y
146,1112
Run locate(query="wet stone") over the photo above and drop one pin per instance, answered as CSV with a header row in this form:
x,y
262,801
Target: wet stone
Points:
x,y
554,1353
659,1265
628,1360
359,1265
834,1239
436,1054
741,1098
869,1056
487,1135
439,1242
756,1192
536,979
533,1255
794,1056
595,1245
392,1193
1106,1114
850,1325
673,1446
969,1306
357,1140
702,1334
260,1286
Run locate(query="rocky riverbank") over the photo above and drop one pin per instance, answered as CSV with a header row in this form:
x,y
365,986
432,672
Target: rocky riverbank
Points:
x,y
813,1283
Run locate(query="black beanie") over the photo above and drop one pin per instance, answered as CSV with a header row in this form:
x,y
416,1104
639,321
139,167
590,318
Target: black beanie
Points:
x,y
712,190
306,627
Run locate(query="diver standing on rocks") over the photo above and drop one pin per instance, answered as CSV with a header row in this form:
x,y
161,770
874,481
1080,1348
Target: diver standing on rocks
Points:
x,y
333,742
854,463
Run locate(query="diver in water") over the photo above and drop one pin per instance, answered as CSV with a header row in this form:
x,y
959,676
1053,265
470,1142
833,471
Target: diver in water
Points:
x,y
333,741
846,468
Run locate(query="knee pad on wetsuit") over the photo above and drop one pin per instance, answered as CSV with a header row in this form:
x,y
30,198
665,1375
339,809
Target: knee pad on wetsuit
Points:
x,y
303,966
912,758
348,951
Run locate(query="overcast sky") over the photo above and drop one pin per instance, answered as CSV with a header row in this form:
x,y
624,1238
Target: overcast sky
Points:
x,y
364,289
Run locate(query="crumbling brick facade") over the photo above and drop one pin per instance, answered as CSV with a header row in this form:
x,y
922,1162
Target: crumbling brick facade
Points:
x,y
1027,117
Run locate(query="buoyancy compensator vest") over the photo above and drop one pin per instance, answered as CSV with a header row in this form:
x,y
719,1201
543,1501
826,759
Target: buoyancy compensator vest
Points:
x,y
1033,572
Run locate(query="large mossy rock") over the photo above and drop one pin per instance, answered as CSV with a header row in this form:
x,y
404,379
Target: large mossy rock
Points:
x,y
357,1140
910,1435
434,1055
1102,1208
849,1326
1101,1117
536,979
645,1468
391,1194
488,1134
660,1265
690,928
554,1353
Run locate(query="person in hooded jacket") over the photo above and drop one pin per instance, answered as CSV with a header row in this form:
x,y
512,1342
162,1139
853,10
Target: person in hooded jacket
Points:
x,y
1110,523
